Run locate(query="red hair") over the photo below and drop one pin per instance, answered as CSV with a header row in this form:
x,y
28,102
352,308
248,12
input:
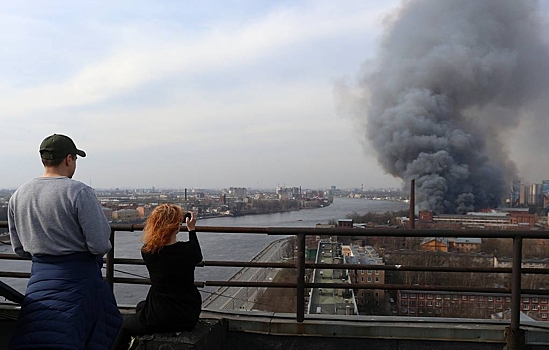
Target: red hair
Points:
x,y
161,224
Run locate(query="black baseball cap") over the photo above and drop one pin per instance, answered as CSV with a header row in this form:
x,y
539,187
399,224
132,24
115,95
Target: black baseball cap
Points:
x,y
58,146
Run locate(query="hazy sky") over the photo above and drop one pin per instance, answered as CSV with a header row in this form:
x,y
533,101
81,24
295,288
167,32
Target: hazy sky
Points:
x,y
201,94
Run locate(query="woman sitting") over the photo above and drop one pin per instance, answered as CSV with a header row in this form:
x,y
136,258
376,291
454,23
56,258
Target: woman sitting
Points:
x,y
173,302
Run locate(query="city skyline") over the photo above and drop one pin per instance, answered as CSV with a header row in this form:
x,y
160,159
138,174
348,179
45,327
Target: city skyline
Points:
x,y
208,95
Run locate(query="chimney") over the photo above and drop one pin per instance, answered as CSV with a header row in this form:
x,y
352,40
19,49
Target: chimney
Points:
x,y
412,204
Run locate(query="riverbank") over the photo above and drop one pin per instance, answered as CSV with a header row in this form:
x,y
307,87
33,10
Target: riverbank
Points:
x,y
237,214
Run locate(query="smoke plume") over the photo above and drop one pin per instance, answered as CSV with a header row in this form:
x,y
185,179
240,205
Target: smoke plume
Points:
x,y
450,80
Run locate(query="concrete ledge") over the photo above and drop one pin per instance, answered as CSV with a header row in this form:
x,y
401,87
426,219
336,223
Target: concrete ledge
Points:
x,y
242,330
207,335
485,334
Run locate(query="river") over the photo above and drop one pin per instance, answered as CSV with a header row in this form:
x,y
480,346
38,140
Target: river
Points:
x,y
220,246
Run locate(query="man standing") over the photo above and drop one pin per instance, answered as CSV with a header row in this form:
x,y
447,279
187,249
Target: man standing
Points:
x,y
59,223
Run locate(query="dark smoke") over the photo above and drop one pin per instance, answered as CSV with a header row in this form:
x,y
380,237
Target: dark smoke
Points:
x,y
450,80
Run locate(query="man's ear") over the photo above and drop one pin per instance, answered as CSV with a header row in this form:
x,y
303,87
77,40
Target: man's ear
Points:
x,y
67,160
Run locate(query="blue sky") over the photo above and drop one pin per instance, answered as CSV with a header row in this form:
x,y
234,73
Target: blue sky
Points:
x,y
195,94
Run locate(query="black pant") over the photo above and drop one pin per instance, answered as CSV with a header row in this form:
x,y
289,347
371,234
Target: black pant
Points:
x,y
130,326
133,327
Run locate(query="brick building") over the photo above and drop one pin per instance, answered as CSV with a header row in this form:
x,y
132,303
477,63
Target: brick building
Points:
x,y
505,218
366,255
470,305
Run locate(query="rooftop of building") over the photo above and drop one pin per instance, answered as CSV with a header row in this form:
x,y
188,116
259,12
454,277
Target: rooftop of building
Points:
x,y
365,255
331,301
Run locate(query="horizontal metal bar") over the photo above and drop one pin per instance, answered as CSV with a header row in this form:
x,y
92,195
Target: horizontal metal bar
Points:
x,y
409,268
250,284
406,287
214,263
14,274
4,256
356,232
247,264
146,281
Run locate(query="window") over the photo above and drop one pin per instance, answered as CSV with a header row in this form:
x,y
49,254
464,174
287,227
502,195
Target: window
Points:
x,y
534,300
430,303
422,296
362,272
439,297
525,307
508,299
421,303
534,308
446,296
376,294
377,279
490,298
369,279
472,298
544,300
369,272
480,298
412,310
404,295
525,300
544,308
438,304
412,295
438,311
377,272
455,297
499,299
430,296
362,279
464,297
543,315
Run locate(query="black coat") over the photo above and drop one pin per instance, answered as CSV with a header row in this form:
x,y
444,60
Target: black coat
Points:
x,y
173,302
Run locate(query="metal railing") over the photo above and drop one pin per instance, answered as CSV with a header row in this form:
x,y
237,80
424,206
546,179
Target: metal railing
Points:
x,y
300,265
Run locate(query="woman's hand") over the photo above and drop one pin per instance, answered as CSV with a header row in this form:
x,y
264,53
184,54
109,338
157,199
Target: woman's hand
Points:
x,y
190,222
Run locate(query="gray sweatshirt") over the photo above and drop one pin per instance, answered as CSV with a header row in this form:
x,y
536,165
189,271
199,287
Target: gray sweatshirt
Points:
x,y
57,216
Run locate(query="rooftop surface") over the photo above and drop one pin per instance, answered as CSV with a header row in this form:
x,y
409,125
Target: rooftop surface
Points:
x,y
331,301
245,330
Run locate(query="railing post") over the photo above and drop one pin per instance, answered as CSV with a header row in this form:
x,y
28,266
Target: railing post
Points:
x,y
514,336
300,277
109,269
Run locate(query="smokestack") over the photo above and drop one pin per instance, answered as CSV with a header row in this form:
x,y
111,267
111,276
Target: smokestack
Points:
x,y
412,204
185,195
451,81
